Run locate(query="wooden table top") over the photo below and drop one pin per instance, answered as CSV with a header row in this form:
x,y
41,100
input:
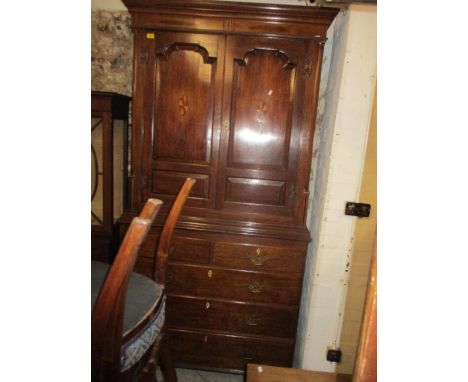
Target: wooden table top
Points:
x,y
263,373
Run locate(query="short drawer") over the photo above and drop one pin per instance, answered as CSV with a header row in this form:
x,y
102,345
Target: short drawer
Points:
x,y
227,352
185,249
203,281
261,258
194,313
190,250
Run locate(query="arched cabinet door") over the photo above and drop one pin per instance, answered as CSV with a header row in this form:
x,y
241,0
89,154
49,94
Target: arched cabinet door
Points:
x,y
180,117
264,127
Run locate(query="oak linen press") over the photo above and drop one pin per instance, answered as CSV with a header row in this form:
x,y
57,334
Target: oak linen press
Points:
x,y
226,93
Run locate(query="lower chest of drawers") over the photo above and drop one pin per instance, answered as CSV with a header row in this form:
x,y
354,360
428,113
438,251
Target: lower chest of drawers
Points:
x,y
232,299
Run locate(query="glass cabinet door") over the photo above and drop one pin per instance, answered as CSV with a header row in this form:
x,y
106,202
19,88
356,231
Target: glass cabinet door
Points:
x,y
109,161
108,170
119,150
97,192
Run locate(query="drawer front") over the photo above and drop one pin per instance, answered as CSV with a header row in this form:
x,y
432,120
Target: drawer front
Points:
x,y
231,317
208,282
182,249
186,249
190,250
227,352
260,258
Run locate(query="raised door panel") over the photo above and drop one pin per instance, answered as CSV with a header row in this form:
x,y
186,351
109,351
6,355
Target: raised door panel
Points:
x,y
262,112
186,114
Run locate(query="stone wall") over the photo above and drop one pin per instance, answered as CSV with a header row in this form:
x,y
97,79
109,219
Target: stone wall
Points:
x,y
111,51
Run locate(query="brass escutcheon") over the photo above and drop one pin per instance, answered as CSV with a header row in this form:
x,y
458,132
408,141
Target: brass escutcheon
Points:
x,y
210,273
207,305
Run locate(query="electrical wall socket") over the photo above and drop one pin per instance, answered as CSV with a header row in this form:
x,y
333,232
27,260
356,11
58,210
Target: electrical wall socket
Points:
x,y
334,355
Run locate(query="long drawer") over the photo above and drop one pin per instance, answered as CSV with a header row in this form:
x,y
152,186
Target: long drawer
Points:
x,y
227,352
233,317
206,281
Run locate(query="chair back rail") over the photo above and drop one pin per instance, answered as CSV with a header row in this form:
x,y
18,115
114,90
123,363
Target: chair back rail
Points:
x,y
167,232
107,317
108,314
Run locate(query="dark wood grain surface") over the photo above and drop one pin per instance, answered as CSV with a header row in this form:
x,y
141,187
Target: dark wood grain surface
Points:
x,y
226,93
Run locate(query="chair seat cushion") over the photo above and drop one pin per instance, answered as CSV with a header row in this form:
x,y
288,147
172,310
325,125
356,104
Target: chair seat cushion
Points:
x,y
143,295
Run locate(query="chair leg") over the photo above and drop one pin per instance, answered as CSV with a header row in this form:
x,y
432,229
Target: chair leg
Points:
x,y
148,373
166,362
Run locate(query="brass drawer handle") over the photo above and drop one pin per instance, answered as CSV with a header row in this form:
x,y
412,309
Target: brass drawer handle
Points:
x,y
252,319
257,258
256,287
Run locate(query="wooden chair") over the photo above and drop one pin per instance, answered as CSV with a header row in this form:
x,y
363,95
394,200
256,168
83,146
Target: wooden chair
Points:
x,y
127,330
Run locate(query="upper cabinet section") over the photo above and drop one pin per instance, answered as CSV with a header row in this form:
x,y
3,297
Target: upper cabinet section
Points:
x,y
226,93
232,17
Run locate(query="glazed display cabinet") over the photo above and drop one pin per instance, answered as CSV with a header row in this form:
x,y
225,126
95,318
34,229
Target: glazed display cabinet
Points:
x,y
109,162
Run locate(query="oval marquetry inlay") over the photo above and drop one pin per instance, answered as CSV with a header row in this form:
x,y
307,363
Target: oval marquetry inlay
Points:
x,y
263,107
183,105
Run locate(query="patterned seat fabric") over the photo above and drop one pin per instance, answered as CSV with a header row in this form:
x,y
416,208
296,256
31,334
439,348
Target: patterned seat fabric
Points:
x,y
143,295
134,349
